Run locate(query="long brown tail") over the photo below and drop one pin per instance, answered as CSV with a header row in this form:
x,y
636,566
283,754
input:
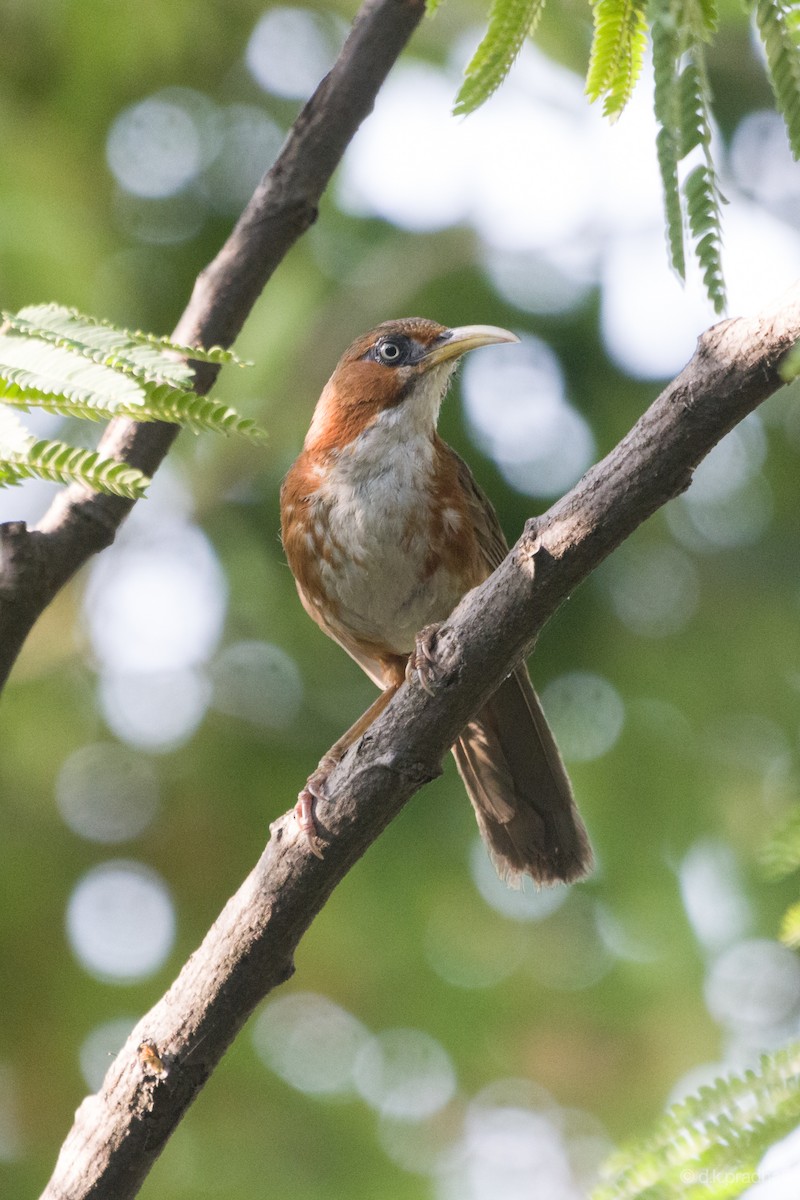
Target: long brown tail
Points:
x,y
519,788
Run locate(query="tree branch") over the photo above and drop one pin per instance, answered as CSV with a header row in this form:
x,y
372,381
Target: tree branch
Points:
x,y
119,1132
35,565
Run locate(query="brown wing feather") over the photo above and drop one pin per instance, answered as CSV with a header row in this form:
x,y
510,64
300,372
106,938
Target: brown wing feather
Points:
x,y
509,760
484,520
519,788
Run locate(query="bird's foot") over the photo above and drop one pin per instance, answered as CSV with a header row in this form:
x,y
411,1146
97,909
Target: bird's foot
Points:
x,y
422,666
315,789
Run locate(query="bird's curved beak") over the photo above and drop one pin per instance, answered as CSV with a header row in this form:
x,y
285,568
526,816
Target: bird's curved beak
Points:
x,y
455,342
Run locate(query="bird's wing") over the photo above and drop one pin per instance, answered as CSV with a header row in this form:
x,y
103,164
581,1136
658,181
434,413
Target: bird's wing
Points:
x,y
483,518
509,760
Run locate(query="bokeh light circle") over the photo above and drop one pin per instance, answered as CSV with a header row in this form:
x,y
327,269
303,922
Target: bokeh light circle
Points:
x,y
121,921
289,51
654,589
154,148
258,682
405,1073
754,983
586,712
310,1042
99,1048
516,406
107,793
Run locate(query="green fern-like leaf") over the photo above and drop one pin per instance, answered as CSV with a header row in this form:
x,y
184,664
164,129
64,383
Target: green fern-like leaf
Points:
x,y
33,376
667,153
58,360
618,46
694,129
710,1144
137,356
70,464
25,390
510,22
667,48
779,26
196,412
53,321
702,203
666,52
700,188
23,457
682,106
701,19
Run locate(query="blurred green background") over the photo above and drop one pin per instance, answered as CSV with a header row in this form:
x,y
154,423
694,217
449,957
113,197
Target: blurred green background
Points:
x,y
442,1036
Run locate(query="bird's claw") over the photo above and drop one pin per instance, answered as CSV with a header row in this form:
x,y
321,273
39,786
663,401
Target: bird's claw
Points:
x,y
315,789
422,666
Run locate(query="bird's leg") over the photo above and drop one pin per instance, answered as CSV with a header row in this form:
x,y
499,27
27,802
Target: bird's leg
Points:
x,y
422,666
316,784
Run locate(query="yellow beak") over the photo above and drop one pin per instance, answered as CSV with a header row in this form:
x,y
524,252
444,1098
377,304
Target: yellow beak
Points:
x,y
458,341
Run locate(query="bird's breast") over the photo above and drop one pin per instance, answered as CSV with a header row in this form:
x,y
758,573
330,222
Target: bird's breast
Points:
x,y
385,541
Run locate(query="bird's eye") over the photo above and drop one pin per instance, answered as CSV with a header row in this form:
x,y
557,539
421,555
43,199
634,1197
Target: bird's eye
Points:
x,y
391,352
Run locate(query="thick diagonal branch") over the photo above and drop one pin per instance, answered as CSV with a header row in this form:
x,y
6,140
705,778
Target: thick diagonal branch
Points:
x,y
119,1132
35,565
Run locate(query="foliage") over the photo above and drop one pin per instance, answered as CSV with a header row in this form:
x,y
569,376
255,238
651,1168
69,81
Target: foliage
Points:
x,y
617,53
680,31
711,1143
779,25
22,457
682,105
57,360
510,22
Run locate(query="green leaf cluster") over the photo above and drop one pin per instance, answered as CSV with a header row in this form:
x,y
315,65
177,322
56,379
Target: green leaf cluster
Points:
x,y
618,46
779,25
710,1144
692,203
510,22
57,360
680,31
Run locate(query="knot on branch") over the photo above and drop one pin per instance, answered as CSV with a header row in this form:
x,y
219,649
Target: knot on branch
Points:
x,y
529,546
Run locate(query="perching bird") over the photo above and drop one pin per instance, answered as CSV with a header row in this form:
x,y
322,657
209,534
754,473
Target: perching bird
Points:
x,y
385,530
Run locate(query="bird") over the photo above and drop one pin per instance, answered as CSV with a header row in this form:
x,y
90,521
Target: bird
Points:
x,y
385,530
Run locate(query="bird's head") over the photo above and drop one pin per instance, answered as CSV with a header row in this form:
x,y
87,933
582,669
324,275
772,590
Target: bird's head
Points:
x,y
400,369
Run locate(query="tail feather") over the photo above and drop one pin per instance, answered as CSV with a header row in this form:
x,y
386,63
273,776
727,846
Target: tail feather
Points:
x,y
520,791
